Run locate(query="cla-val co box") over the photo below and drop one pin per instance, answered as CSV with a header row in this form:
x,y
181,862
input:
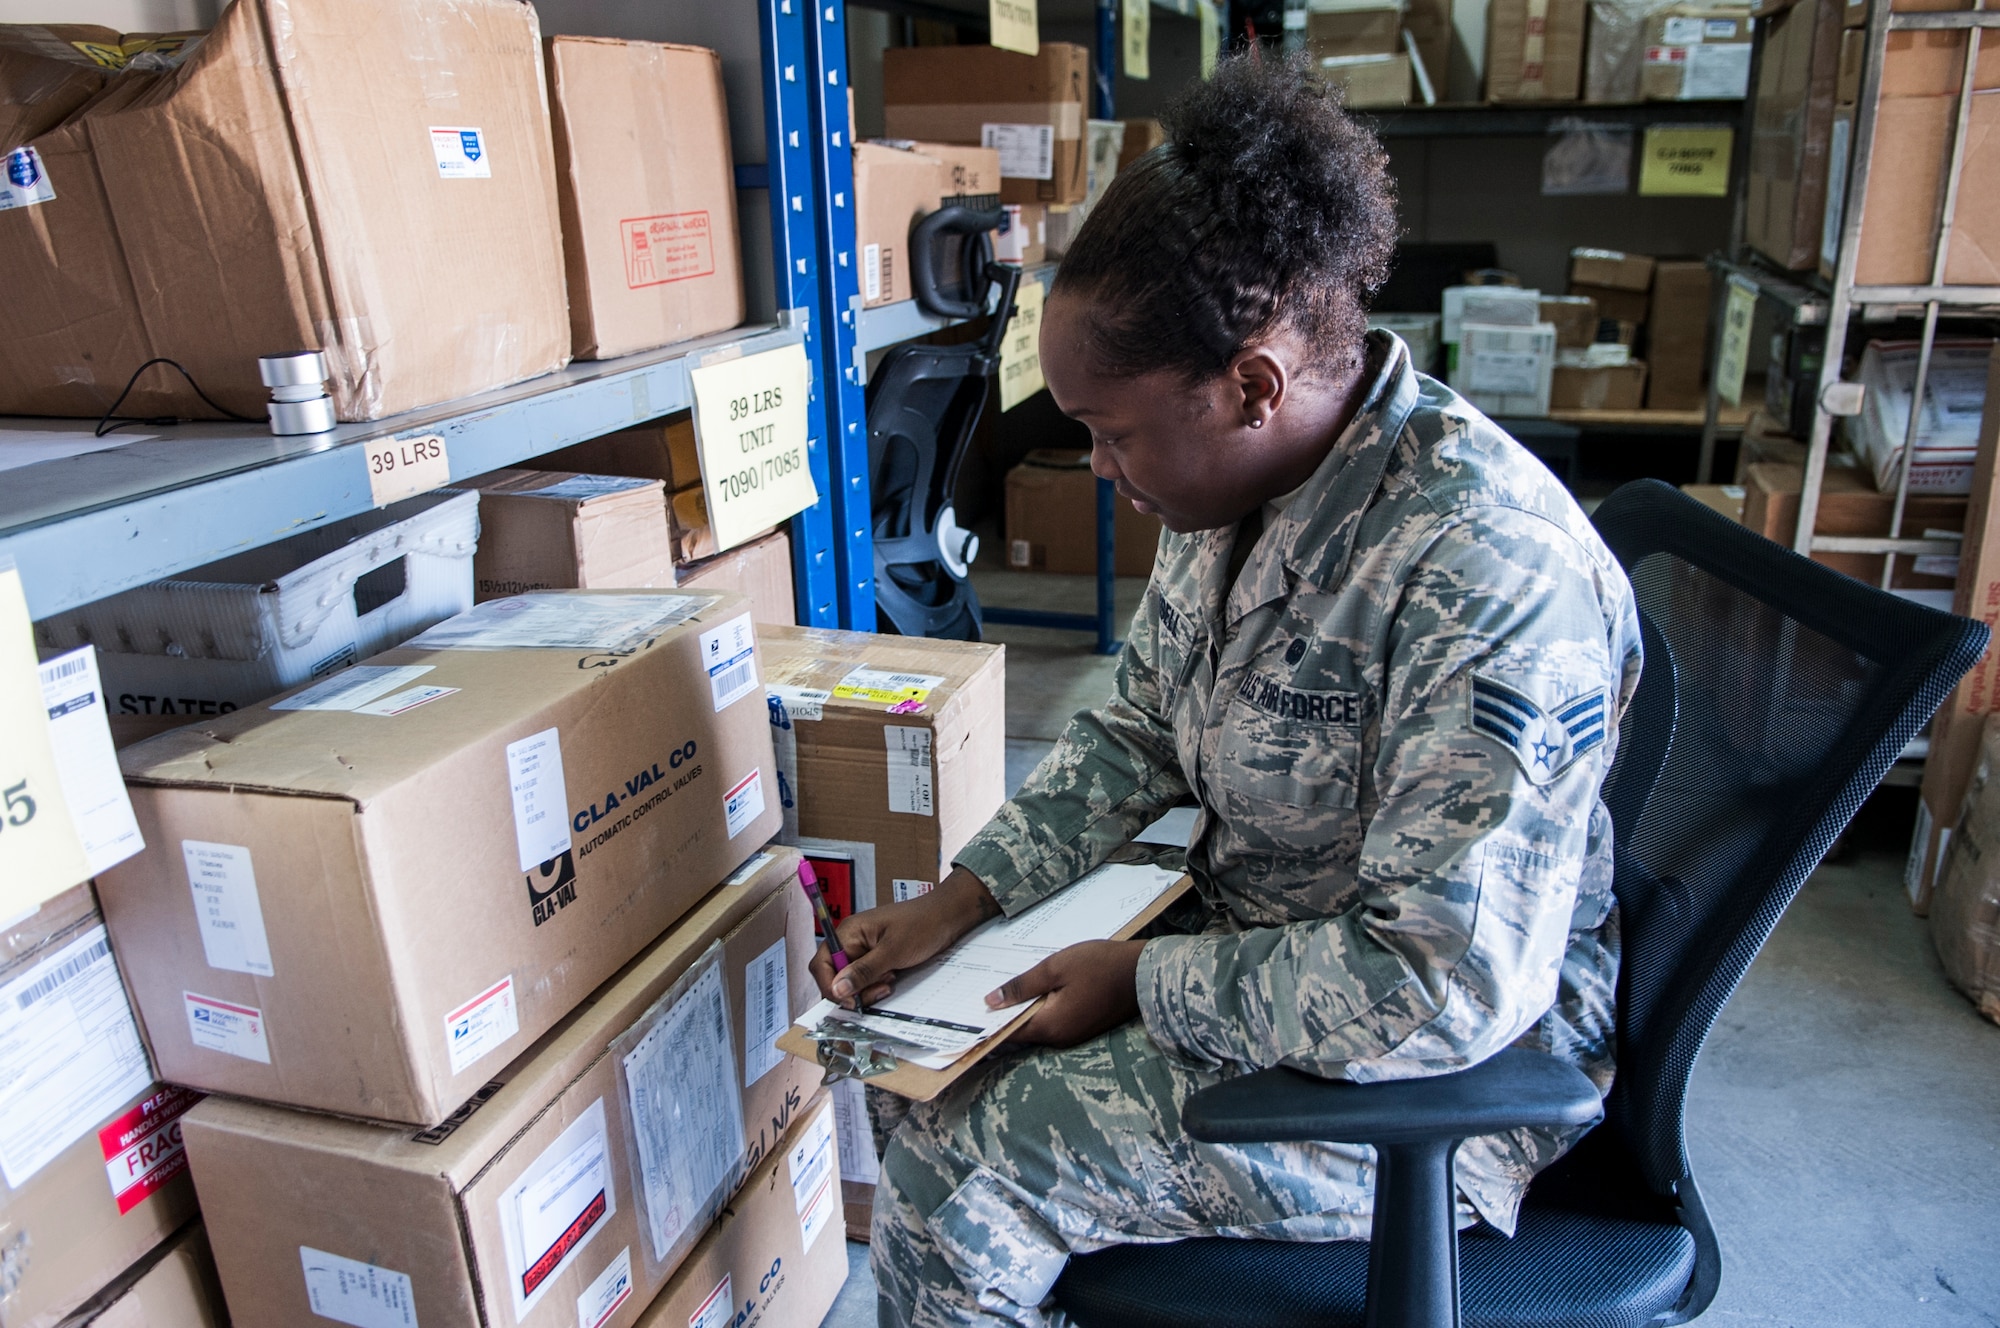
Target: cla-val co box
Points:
x,y
367,896
570,1188
90,1146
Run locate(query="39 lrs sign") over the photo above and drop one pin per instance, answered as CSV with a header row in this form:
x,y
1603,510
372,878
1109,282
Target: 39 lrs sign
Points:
x,y
400,468
750,423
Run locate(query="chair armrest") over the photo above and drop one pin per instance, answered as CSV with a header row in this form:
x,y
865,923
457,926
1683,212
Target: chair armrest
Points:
x,y
1513,1089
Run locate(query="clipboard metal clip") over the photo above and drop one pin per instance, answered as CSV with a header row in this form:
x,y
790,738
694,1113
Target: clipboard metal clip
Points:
x,y
847,1051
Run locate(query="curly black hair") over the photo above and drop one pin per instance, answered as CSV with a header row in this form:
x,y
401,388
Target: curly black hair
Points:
x,y
1266,206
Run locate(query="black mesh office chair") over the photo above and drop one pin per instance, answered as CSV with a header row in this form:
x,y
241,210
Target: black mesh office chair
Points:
x,y
923,403
1776,694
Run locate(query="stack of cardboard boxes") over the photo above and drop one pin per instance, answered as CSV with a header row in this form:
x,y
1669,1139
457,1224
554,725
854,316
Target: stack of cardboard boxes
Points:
x,y
1358,45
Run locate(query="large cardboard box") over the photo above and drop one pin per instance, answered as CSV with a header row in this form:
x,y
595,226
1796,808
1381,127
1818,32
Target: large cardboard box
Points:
x,y
893,188
90,1146
1624,306
1052,519
775,1259
1677,335
1369,80
1965,913
1534,50
1029,107
971,175
579,1176
897,756
1850,505
1696,53
1597,387
648,193
1611,269
1791,132
174,1287
378,183
557,530
1374,29
367,905
48,70
1900,221
760,570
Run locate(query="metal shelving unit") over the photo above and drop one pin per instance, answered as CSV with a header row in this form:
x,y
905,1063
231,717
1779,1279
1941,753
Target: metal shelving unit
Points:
x,y
1528,119
888,325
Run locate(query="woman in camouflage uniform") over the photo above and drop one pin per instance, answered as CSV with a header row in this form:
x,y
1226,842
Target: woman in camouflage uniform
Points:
x,y
1384,653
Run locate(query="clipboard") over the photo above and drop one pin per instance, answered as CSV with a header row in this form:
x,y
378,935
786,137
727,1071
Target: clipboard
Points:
x,y
922,1084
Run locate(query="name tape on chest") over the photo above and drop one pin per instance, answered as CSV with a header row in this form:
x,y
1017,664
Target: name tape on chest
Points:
x,y
1545,742
1274,698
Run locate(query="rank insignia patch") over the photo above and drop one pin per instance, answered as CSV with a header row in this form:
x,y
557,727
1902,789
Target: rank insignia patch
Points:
x,y
1544,742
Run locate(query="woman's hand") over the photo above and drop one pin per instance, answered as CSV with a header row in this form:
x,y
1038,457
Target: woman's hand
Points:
x,y
881,942
1091,988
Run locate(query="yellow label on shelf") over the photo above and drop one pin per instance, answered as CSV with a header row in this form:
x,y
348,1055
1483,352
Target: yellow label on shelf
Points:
x,y
750,423
1688,161
41,854
400,468
1021,352
1138,38
1014,25
1211,35
1738,311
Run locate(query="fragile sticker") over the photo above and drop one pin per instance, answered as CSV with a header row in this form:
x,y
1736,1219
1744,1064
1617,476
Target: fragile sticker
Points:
x,y
766,1012
606,1292
226,907
885,686
910,787
729,652
354,687
26,181
718,1310
744,803
404,702
460,152
560,1203
224,1026
350,1291
676,247
815,1166
143,1151
541,800
481,1024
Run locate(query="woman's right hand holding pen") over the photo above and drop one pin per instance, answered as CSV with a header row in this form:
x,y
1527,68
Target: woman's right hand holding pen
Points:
x,y
883,941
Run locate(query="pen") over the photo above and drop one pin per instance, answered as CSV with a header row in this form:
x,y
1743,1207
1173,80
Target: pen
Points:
x,y
824,915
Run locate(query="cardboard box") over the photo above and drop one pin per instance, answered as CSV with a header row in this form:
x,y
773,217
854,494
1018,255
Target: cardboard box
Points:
x,y
1912,141
1947,434
93,1172
893,189
1724,498
557,530
174,1287
1052,519
971,174
760,570
1611,269
1848,505
1429,24
904,761
1624,306
388,906
1141,137
1677,335
402,217
1359,30
1926,64
1506,370
232,633
648,193
1369,80
1791,132
1597,387
1965,914
1696,53
1574,318
1034,103
618,1135
1528,60
860,1164
47,72
775,1259
663,449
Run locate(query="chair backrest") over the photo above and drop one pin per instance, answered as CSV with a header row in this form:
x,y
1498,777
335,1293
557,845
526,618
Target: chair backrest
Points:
x,y
1776,695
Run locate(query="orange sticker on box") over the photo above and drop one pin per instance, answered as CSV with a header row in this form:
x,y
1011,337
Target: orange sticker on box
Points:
x,y
675,247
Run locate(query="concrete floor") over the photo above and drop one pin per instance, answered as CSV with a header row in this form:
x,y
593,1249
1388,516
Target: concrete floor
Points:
x,y
1845,1117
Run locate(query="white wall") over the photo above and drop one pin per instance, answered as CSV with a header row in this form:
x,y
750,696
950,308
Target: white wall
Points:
x,y
123,15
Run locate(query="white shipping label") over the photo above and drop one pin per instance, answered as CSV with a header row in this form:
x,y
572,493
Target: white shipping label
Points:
x,y
481,1024
1681,31
1504,371
1027,151
800,702
225,1026
766,1012
718,1311
815,1168
1716,71
885,685
71,1054
686,1110
563,621
729,654
353,687
405,701
26,182
86,762
561,1201
871,272
748,869
350,1291
541,801
606,1292
744,803
902,890
460,153
910,787
858,1161
226,907
1719,29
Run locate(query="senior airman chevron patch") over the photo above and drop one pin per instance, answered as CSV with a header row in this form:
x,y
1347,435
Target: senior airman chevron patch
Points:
x,y
1544,742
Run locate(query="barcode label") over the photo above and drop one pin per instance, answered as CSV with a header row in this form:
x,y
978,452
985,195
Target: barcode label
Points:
x,y
67,668
764,1012
71,968
729,654
731,681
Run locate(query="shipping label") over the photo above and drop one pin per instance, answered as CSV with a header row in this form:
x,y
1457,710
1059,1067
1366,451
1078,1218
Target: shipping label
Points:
x,y
405,701
606,1292
460,153
26,180
354,687
766,1012
1027,151
871,272
729,654
885,686
481,1024
910,787
902,890
143,1149
71,1051
658,250
613,624
799,702
744,803
541,801
549,1216
350,1291
224,1026
858,1160
226,907
86,761
718,1311
815,1170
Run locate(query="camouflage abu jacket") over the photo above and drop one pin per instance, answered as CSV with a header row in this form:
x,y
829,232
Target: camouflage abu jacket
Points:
x,y
1395,723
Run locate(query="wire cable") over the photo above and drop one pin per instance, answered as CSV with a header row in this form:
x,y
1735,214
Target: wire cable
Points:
x,y
111,420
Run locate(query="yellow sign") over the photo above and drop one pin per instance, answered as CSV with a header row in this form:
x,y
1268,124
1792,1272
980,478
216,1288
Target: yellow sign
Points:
x,y
1689,161
1138,38
1014,25
750,423
41,854
1211,35
400,468
1733,354
1021,353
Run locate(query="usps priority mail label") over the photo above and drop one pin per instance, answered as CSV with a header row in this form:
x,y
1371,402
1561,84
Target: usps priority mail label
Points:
x,y
24,180
460,152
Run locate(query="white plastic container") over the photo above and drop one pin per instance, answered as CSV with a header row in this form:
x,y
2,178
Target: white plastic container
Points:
x,y
1506,370
237,631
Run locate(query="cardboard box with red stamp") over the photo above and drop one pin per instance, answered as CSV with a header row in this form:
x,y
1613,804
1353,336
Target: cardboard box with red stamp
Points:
x,y
648,192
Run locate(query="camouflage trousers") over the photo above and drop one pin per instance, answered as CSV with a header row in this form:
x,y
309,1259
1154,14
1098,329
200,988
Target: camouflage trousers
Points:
x,y
986,1191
